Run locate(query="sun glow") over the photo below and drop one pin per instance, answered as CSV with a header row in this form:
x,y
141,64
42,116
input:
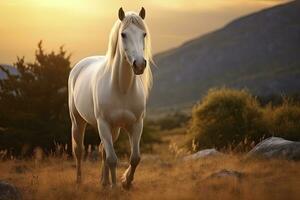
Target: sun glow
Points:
x,y
83,25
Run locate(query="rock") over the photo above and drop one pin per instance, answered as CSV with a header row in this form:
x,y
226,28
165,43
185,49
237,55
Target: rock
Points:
x,y
203,154
9,192
275,147
226,173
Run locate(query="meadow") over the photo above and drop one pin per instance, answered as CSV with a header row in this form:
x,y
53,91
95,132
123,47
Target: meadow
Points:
x,y
161,175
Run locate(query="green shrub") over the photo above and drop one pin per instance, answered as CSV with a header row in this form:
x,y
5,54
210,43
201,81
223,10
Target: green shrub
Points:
x,y
284,120
226,118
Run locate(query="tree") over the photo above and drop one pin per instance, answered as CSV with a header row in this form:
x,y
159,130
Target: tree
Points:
x,y
33,103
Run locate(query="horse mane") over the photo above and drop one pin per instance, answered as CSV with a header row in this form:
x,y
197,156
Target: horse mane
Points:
x,y
131,18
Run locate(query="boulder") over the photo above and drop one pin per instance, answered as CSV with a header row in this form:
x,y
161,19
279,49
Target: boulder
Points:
x,y
275,147
203,154
9,191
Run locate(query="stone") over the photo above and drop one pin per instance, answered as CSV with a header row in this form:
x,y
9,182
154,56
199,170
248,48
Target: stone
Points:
x,y
226,173
9,192
275,147
203,154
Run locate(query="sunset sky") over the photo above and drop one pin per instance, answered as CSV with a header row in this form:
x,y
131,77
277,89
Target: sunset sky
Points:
x,y
83,25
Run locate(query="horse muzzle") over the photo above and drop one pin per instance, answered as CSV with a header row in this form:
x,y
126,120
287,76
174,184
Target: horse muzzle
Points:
x,y
139,66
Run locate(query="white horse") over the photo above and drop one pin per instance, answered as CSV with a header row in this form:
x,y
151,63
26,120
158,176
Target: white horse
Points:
x,y
110,92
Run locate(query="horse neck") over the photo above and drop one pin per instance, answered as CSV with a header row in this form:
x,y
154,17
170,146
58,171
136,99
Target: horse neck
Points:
x,y
122,75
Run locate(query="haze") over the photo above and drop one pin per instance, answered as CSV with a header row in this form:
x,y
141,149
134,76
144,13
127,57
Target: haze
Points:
x,y
83,25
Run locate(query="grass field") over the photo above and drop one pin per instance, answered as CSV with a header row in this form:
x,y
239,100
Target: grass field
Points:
x,y
159,176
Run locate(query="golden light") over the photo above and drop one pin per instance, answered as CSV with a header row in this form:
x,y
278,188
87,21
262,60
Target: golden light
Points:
x,y
83,25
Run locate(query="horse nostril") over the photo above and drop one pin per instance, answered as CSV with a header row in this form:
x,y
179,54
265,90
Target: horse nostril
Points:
x,y
134,63
145,63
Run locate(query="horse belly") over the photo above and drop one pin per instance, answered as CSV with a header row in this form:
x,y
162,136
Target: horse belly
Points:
x,y
83,100
86,110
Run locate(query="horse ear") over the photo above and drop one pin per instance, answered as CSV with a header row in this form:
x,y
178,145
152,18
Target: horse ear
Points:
x,y
121,14
143,13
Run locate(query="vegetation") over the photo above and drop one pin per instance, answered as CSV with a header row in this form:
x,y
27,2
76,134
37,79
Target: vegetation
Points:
x,y
225,118
234,119
284,120
34,103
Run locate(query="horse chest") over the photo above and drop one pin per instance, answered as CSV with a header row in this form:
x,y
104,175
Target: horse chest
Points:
x,y
123,111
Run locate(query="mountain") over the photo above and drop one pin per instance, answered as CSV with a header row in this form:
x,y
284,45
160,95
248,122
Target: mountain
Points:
x,y
260,52
10,68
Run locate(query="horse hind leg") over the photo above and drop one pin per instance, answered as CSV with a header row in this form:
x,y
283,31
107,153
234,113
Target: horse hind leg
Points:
x,y
105,168
78,128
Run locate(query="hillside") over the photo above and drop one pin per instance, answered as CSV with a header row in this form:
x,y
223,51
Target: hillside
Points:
x,y
260,52
10,68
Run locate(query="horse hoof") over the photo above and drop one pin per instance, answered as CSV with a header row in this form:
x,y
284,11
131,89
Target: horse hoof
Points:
x,y
126,185
113,187
78,181
105,185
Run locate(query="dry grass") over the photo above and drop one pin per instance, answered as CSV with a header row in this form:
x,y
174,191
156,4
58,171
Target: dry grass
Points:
x,y
159,178
161,175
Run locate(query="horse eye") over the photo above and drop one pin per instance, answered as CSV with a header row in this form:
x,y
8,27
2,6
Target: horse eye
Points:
x,y
123,35
145,34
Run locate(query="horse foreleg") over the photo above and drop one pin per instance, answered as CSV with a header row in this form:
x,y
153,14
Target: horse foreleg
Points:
x,y
110,155
135,133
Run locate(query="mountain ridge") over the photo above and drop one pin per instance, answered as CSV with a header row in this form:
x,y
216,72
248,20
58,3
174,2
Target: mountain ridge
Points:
x,y
246,52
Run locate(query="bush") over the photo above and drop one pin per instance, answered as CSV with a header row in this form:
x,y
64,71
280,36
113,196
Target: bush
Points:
x,y
284,120
225,118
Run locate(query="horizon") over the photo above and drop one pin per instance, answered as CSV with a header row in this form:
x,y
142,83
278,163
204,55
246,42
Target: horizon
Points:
x,y
70,23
